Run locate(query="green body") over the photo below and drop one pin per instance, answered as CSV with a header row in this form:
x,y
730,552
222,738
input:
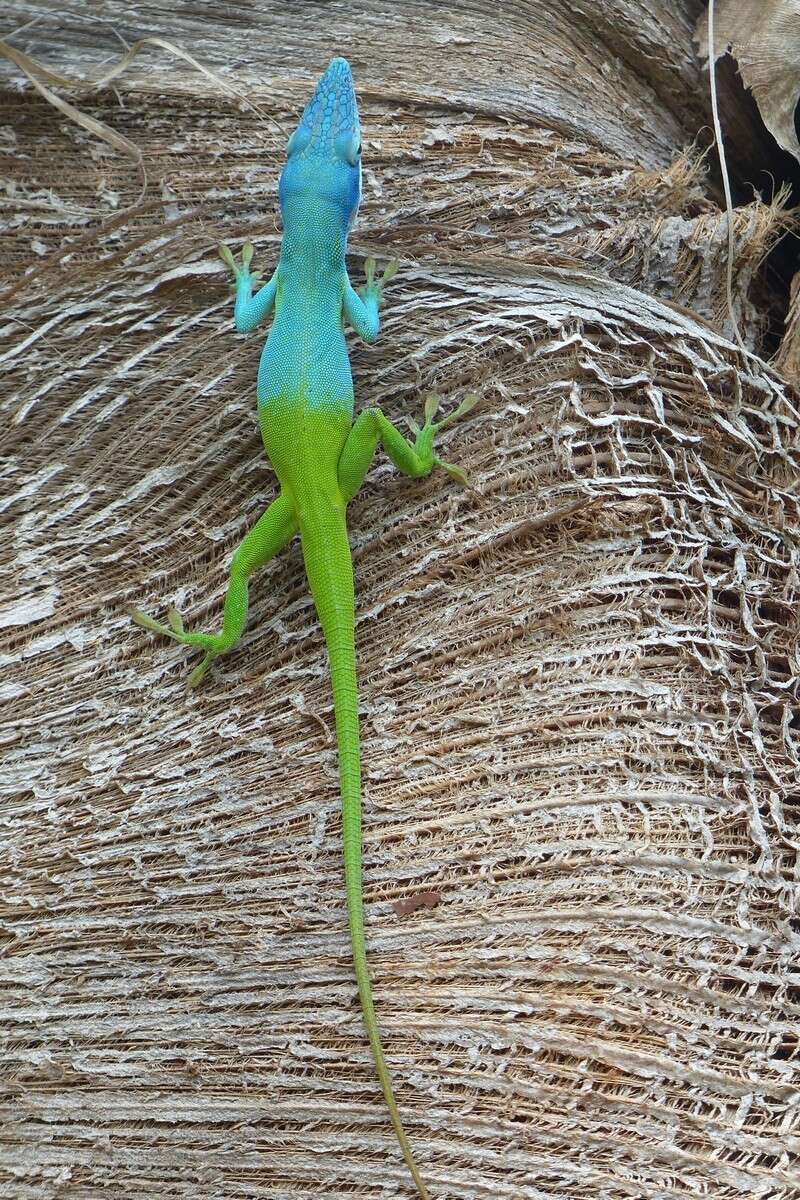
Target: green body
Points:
x,y
320,455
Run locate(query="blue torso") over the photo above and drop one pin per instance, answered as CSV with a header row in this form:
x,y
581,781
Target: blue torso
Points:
x,y
305,387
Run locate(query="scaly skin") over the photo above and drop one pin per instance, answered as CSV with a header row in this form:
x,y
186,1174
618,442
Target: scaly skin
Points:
x,y
320,455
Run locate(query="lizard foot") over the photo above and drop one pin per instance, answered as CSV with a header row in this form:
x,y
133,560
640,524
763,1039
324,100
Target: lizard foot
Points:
x,y
212,643
241,273
425,436
373,288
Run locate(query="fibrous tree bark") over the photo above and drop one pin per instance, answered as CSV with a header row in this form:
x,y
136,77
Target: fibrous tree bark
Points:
x,y
579,677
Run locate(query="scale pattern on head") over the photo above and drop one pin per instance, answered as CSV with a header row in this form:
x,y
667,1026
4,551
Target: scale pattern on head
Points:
x,y
324,152
330,118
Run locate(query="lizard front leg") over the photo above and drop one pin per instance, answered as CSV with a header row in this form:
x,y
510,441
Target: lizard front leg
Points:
x,y
269,535
416,460
249,310
361,308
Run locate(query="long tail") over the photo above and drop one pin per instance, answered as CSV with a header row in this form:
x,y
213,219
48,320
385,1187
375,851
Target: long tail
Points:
x,y
330,576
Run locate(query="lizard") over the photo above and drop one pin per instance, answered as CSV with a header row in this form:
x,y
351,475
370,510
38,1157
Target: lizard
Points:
x,y
319,451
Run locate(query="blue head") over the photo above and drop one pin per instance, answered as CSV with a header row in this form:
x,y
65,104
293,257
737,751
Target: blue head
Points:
x,y
323,167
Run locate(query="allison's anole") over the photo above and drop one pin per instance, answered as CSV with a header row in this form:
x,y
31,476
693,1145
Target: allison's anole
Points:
x,y
319,452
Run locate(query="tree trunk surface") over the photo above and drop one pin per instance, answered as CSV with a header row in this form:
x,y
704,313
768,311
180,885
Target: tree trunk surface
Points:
x,y
578,677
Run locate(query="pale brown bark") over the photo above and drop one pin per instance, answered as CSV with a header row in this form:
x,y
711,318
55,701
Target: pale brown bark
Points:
x,y
579,681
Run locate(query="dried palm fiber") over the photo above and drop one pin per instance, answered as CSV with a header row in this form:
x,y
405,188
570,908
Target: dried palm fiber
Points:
x,y
578,682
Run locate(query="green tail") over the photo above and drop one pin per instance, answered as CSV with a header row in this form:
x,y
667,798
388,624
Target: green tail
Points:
x,y
329,568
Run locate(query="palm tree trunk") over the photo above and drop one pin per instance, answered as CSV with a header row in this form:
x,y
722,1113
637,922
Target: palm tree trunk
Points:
x,y
579,679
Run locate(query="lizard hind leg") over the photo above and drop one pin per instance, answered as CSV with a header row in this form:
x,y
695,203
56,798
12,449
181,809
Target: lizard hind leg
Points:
x,y
416,459
269,535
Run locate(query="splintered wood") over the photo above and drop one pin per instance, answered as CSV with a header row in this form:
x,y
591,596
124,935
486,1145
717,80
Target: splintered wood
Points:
x,y
578,677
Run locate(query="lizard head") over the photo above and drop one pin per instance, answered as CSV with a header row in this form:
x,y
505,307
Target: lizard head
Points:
x,y
323,155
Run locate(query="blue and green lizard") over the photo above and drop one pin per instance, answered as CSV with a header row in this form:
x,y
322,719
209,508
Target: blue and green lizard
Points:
x,y
320,454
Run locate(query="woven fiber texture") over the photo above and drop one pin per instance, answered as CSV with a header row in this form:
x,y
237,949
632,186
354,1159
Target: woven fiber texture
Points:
x,y
578,676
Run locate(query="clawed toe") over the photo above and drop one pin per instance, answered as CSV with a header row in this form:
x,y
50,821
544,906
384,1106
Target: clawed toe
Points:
x,y
452,470
226,254
432,402
197,674
146,622
389,271
466,405
175,620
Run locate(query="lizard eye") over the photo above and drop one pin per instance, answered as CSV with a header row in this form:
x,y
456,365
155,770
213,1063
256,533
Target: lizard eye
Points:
x,y
348,147
298,141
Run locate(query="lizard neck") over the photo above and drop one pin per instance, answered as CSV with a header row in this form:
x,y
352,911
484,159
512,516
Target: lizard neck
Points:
x,y
314,240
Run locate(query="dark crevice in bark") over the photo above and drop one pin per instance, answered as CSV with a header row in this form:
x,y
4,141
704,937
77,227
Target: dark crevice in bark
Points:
x,y
757,164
